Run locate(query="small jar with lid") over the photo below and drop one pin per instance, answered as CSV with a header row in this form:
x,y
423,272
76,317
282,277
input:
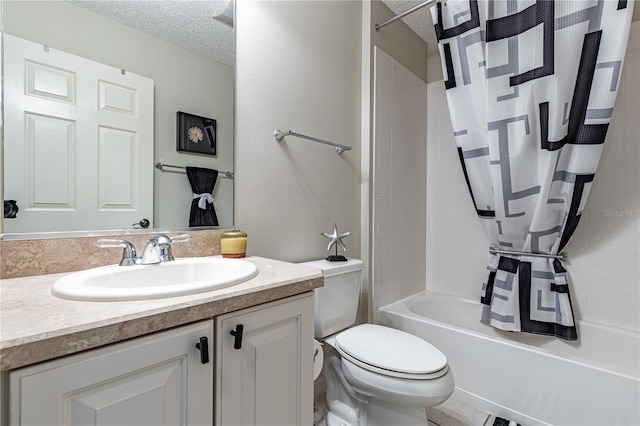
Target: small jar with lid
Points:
x,y
233,244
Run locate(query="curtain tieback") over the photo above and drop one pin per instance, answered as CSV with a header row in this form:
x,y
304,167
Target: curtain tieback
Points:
x,y
562,255
204,199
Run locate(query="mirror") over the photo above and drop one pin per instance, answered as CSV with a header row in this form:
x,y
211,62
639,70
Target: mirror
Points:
x,y
177,45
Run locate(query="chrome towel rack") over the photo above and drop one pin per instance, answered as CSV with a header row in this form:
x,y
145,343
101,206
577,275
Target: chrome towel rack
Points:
x,y
279,134
161,166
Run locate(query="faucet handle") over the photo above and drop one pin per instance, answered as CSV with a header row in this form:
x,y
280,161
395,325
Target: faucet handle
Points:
x,y
183,238
129,256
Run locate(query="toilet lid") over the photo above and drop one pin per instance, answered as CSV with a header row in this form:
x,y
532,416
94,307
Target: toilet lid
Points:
x,y
390,349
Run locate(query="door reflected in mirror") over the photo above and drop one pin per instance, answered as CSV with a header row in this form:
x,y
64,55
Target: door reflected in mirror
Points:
x,y
90,105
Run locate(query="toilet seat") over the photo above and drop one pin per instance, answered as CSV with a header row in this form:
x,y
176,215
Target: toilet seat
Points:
x,y
397,390
391,352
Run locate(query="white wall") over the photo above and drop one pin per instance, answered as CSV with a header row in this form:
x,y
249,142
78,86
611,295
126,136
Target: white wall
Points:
x,y
399,182
298,66
457,248
184,81
398,69
604,253
398,40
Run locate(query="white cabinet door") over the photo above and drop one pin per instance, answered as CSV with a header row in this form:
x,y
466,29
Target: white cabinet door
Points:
x,y
154,380
266,377
78,141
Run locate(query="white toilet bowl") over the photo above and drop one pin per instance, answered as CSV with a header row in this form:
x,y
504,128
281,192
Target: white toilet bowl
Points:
x,y
375,375
381,376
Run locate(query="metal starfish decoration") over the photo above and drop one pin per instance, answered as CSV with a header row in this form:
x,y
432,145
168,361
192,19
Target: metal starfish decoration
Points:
x,y
336,239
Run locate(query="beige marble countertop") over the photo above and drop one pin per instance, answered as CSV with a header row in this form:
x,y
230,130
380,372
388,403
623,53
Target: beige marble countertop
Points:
x,y
36,326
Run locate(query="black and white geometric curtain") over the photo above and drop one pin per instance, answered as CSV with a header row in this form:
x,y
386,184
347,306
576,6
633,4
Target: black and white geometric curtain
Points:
x,y
531,87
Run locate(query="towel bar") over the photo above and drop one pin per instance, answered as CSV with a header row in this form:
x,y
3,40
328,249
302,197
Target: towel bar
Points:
x,y
161,166
279,134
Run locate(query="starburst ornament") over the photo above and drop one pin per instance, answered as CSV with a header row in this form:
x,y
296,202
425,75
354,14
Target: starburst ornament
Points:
x,y
196,135
336,240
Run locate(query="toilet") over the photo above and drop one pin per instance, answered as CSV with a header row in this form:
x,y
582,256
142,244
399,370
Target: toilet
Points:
x,y
375,375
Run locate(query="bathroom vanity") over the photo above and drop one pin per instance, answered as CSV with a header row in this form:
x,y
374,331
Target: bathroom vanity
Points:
x,y
238,355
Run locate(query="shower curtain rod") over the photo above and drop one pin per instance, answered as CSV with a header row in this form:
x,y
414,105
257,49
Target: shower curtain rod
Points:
x,y
161,166
405,13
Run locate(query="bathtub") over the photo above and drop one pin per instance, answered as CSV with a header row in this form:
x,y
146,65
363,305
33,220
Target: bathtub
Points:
x,y
528,378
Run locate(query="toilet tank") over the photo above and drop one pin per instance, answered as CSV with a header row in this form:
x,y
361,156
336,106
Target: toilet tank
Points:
x,y
336,304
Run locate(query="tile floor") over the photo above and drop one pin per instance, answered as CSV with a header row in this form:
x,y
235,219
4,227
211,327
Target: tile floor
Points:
x,y
451,413
455,413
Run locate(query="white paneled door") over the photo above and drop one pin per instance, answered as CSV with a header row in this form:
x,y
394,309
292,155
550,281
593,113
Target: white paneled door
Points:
x,y
78,141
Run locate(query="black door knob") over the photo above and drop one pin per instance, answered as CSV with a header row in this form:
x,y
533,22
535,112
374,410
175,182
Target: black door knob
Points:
x,y
10,209
144,223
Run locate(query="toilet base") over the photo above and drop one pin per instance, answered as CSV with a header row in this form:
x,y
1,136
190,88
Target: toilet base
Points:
x,y
380,414
350,407
334,420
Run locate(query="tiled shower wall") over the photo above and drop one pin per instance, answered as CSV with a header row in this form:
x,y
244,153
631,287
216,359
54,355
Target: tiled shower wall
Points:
x,y
399,214
604,253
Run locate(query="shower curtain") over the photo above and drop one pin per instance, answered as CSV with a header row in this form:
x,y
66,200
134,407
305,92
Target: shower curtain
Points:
x,y
531,87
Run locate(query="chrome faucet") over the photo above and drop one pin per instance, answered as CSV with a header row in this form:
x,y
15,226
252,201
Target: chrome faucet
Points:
x,y
157,249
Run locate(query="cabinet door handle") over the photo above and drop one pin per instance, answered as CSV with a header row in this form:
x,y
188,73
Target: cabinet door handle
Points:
x,y
203,347
237,333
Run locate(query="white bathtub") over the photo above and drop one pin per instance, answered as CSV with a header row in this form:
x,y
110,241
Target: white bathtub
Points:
x,y
528,378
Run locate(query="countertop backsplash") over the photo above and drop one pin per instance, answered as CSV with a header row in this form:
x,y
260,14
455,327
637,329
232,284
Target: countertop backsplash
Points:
x,y
29,257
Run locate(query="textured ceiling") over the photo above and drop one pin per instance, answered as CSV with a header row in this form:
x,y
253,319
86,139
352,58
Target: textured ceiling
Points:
x,y
186,23
419,21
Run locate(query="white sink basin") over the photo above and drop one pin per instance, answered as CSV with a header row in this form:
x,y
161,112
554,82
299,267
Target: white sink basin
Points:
x,y
177,278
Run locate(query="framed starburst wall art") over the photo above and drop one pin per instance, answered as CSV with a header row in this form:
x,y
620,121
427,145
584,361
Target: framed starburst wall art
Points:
x,y
196,135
